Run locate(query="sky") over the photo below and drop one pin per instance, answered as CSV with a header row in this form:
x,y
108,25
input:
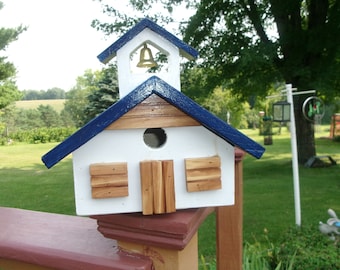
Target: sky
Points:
x,y
58,46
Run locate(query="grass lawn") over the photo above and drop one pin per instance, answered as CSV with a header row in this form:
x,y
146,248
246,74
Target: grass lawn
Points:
x,y
268,187
269,192
26,183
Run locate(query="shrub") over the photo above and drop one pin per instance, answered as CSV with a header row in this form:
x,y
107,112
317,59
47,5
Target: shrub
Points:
x,y
260,256
313,250
298,249
254,257
42,135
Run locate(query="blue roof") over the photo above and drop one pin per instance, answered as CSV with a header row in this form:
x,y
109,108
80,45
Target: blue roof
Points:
x,y
153,85
111,51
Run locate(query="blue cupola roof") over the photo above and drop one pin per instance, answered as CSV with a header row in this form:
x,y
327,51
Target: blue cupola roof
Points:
x,y
111,51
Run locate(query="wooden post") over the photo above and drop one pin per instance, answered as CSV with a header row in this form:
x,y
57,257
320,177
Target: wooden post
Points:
x,y
169,240
229,225
167,259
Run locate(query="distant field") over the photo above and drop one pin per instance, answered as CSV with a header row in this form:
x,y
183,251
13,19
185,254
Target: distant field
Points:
x,y
57,104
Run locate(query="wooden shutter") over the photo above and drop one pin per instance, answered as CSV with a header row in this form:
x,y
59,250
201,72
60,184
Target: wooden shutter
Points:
x,y
158,188
203,173
109,180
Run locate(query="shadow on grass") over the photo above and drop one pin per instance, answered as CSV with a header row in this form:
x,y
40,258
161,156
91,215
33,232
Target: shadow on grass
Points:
x,y
38,188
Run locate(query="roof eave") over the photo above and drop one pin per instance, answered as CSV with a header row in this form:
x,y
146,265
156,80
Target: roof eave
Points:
x,y
153,85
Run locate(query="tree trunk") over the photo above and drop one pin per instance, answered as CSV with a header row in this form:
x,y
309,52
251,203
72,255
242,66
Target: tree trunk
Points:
x,y
304,132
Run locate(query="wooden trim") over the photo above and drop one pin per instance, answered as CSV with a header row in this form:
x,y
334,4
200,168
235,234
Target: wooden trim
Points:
x,y
158,188
147,187
153,112
109,192
115,168
203,185
229,224
203,173
165,231
169,185
109,180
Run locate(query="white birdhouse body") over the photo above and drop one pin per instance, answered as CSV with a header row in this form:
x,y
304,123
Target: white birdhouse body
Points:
x,y
128,147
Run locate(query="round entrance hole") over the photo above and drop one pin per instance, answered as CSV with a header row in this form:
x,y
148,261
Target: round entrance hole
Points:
x,y
154,137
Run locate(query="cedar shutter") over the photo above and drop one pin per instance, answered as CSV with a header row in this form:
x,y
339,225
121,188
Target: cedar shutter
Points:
x,y
203,173
158,188
109,180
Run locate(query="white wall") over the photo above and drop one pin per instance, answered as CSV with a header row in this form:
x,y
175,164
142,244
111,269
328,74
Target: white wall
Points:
x,y
128,146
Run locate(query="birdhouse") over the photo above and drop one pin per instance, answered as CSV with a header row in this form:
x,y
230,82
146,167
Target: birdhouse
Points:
x,y
155,150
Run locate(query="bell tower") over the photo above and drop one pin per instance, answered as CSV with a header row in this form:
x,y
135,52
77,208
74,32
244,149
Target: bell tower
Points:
x,y
136,51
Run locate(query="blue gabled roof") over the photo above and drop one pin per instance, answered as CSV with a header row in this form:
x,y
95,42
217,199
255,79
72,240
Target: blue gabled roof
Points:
x,y
111,51
153,85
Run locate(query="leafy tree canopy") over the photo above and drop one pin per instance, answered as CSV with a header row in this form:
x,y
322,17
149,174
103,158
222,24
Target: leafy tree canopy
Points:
x,y
8,90
52,93
8,93
106,94
93,94
248,45
77,97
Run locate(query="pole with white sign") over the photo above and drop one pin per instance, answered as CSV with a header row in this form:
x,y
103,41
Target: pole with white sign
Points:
x,y
295,165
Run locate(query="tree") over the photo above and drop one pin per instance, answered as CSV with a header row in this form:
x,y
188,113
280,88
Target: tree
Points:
x,y
49,116
8,93
76,98
8,90
106,94
52,93
27,119
32,94
194,83
248,45
94,93
223,104
66,119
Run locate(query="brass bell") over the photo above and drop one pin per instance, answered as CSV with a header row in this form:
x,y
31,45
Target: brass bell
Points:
x,y
145,58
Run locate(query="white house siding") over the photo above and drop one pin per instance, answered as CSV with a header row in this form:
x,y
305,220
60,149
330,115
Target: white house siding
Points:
x,y
128,146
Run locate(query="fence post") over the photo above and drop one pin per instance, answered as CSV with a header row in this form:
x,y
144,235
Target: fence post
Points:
x,y
169,240
229,227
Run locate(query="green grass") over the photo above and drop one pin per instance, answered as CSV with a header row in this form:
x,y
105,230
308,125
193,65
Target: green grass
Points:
x,y
57,104
26,183
269,194
268,188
